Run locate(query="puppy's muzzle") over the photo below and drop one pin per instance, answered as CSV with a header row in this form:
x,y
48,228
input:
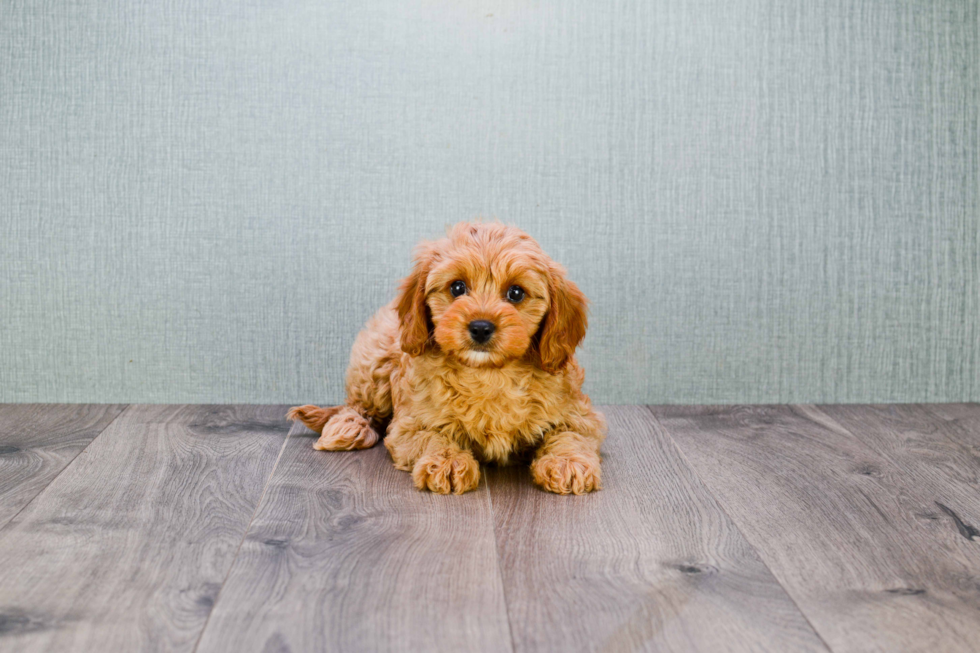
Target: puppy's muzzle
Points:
x,y
481,331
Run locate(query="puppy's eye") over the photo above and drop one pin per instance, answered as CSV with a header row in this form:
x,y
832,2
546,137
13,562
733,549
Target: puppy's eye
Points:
x,y
515,294
457,288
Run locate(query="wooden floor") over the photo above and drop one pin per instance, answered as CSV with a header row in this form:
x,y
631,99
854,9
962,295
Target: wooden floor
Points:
x,y
749,528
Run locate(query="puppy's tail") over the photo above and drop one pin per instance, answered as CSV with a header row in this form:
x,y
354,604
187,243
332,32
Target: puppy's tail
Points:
x,y
314,417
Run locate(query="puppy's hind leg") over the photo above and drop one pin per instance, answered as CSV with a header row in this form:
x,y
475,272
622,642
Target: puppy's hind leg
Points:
x,y
313,417
373,359
341,428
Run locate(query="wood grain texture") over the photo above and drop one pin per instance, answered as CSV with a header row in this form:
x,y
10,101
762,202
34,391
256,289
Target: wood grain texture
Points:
x,y
37,441
961,424
649,563
854,537
127,548
345,554
925,448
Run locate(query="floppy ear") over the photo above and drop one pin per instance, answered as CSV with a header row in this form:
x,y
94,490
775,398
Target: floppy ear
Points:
x,y
413,314
563,327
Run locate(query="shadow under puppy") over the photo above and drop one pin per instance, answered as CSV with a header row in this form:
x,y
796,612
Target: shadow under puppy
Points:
x,y
473,361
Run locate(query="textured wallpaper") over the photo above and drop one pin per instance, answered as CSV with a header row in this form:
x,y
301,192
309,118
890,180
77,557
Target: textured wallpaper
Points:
x,y
766,201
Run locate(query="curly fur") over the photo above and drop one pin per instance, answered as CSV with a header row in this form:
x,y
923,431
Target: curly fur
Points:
x,y
451,403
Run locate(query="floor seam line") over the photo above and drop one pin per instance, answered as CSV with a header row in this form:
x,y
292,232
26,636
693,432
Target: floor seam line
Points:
x,y
721,506
500,570
71,462
238,549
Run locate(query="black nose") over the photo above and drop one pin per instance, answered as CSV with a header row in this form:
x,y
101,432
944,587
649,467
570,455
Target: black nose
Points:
x,y
481,330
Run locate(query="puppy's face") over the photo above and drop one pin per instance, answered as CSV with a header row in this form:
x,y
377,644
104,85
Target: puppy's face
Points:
x,y
487,294
486,305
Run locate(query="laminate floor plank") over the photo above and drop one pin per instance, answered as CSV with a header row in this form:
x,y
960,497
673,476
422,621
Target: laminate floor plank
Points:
x,y
37,441
961,424
852,536
651,562
127,548
923,446
345,554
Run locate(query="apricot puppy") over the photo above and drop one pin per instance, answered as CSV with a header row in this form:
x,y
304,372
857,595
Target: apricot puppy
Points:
x,y
473,362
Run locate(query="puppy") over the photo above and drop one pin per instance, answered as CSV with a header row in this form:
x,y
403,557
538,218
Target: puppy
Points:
x,y
473,362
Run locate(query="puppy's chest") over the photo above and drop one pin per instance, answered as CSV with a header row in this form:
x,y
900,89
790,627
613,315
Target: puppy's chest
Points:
x,y
498,411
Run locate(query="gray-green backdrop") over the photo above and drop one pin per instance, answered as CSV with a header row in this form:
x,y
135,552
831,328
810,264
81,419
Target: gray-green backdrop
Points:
x,y
766,200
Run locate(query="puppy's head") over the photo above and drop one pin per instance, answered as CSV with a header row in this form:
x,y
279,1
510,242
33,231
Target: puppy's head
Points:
x,y
487,294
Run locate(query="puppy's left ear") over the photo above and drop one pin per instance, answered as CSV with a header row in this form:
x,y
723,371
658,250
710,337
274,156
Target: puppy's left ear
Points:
x,y
564,326
413,313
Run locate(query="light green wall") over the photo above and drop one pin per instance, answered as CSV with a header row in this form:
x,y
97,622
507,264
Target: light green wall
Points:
x,y
767,201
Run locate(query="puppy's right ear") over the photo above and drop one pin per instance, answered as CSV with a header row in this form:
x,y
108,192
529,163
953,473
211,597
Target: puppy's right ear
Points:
x,y
413,313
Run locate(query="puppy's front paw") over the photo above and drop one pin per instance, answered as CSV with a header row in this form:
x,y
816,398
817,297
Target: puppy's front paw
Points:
x,y
447,471
576,473
347,430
